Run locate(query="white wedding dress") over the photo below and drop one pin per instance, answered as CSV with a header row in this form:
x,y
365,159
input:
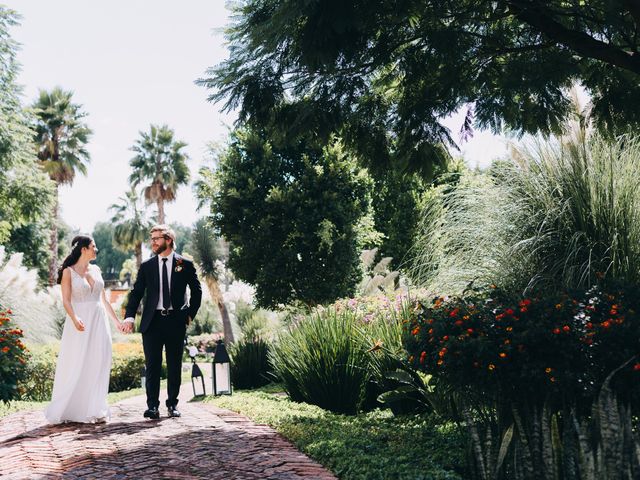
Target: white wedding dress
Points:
x,y
82,373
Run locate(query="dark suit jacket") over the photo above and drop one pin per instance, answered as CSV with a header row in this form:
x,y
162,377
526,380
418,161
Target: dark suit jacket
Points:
x,y
148,281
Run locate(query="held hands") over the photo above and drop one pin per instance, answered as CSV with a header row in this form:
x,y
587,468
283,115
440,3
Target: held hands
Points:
x,y
127,327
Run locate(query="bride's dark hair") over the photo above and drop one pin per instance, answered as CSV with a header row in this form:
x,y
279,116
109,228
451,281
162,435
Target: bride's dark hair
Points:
x,y
77,244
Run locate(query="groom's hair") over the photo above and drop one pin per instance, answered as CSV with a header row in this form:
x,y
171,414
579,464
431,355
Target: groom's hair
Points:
x,y
167,232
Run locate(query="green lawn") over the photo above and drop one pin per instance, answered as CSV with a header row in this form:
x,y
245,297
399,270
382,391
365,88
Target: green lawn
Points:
x,y
369,446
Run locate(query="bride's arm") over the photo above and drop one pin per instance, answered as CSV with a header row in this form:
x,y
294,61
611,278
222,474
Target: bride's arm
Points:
x,y
65,285
111,312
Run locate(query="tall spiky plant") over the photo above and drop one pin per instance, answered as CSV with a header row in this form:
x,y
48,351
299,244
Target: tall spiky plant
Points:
x,y
131,223
208,251
61,136
558,214
161,163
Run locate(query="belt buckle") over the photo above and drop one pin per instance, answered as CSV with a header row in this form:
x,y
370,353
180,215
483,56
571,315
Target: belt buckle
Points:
x,y
164,312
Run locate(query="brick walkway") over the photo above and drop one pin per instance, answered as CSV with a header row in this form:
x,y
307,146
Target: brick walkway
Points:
x,y
206,442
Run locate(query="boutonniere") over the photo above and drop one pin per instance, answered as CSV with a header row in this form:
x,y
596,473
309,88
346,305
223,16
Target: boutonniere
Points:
x,y
179,266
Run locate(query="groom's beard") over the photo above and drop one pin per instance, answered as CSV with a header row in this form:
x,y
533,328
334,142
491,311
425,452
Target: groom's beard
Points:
x,y
161,249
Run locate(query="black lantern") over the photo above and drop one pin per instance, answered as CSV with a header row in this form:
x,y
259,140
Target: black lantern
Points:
x,y
196,373
221,370
143,377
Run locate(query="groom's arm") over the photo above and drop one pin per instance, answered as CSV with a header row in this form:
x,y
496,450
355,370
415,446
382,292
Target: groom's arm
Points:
x,y
135,296
196,292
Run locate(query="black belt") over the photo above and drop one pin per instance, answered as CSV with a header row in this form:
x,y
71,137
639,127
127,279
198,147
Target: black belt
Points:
x,y
165,312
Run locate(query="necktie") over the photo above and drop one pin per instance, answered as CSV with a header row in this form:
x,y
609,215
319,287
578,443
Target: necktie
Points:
x,y
166,295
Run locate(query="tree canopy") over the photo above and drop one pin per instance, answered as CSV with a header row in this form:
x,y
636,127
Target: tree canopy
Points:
x,y
290,214
383,74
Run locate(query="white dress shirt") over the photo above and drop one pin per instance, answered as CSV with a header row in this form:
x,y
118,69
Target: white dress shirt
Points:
x,y
169,271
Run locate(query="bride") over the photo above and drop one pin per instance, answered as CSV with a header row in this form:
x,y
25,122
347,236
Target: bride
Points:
x,y
82,373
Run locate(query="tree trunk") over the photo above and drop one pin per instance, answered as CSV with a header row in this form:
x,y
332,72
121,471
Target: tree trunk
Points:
x,y
53,242
160,210
138,250
214,290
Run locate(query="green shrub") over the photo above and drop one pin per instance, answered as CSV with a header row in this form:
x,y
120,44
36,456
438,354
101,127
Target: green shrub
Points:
x,y
556,377
320,361
41,369
12,357
127,363
250,363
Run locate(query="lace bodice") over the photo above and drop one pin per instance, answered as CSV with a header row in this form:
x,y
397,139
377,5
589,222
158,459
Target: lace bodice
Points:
x,y
81,290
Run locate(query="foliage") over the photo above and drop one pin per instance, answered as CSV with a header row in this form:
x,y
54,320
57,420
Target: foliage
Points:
x,y
34,310
110,259
378,445
209,252
205,343
397,202
533,371
127,363
41,369
250,363
383,74
26,193
557,215
321,362
131,223
305,198
12,357
161,162
207,320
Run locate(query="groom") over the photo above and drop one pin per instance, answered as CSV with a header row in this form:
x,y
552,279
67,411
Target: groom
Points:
x,y
165,315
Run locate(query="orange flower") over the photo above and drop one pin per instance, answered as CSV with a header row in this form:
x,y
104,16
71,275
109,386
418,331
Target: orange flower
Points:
x,y
548,370
606,324
491,367
507,341
508,329
431,331
558,306
440,362
466,317
415,331
5,349
502,355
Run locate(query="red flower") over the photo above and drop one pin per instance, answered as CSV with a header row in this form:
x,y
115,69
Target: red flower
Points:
x,y
470,330
445,338
458,322
5,349
509,311
636,367
454,312
566,328
606,324
589,325
556,331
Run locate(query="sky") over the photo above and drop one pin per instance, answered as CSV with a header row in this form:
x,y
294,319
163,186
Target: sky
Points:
x,y
133,63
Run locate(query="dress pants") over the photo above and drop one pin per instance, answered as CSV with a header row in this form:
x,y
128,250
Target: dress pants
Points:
x,y
168,332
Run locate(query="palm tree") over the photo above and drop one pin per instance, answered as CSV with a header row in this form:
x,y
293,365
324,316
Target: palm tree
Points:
x,y
207,252
60,136
160,161
131,224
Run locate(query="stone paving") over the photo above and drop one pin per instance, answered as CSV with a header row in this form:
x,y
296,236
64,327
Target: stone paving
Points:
x,y
206,442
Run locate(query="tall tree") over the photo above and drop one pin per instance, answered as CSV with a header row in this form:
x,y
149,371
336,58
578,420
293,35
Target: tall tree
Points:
x,y
111,257
383,74
208,251
291,215
26,192
61,136
131,224
160,161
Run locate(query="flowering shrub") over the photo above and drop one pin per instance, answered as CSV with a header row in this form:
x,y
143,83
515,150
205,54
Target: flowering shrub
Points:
x,y
565,344
12,357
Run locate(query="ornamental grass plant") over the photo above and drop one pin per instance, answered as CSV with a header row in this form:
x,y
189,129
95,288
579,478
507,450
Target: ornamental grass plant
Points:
x,y
320,361
558,214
